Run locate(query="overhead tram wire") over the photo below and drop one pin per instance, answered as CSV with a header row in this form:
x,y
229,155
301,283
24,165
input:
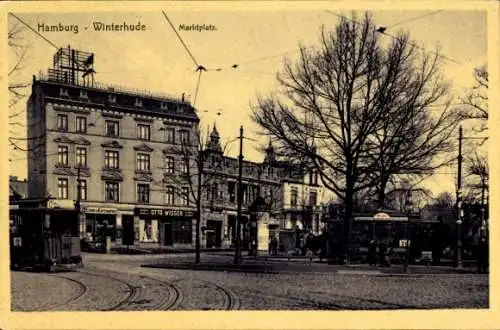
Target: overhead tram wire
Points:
x,y
199,68
382,30
414,19
35,31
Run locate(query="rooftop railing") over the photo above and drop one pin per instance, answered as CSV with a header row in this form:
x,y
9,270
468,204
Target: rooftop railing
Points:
x,y
65,78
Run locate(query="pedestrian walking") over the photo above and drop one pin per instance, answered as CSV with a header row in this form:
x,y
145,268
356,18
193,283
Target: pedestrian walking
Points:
x,y
274,245
372,253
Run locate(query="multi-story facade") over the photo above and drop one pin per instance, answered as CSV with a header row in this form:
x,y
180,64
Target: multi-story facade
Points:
x,y
119,153
110,144
291,193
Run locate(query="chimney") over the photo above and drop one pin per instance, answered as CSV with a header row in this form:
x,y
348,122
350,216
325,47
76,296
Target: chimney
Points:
x,y
182,97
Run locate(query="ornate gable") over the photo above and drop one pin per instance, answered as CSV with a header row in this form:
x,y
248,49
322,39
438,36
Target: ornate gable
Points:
x,y
63,171
112,144
143,147
63,139
139,176
112,175
82,141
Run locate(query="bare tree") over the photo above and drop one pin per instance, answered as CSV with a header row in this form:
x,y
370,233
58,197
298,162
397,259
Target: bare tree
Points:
x,y
18,50
444,199
337,97
419,128
196,158
399,195
475,101
476,176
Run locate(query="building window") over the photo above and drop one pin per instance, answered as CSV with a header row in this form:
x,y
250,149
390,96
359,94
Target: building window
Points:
x,y
83,95
143,132
138,102
185,196
184,137
231,188
214,191
63,92
112,128
81,124
62,188
143,162
62,123
170,135
82,185
169,195
185,166
143,193
169,166
81,157
111,159
293,197
62,155
111,190
312,198
112,98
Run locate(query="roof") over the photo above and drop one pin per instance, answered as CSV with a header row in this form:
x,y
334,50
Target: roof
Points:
x,y
18,189
98,96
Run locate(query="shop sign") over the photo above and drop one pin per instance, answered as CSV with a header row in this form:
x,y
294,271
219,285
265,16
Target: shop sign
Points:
x,y
163,213
381,216
101,210
61,204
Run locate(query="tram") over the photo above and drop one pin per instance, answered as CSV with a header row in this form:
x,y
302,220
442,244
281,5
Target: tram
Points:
x,y
403,235
43,235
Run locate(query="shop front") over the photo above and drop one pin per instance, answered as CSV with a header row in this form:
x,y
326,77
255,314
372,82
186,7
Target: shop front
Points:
x,y
100,222
167,227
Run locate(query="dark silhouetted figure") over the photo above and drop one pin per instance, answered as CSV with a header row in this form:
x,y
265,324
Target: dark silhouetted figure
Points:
x,y
274,246
382,249
483,256
372,253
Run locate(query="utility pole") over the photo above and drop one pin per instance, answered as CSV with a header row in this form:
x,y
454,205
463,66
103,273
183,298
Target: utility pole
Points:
x,y
78,199
459,201
483,222
199,206
237,255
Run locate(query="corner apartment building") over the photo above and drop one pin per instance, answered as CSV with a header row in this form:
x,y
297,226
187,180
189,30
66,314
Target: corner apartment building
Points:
x,y
107,147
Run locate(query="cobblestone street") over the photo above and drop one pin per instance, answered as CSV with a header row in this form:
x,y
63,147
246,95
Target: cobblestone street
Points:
x,y
118,282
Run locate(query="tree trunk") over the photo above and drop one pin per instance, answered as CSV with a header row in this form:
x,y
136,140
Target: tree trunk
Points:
x,y
346,232
381,193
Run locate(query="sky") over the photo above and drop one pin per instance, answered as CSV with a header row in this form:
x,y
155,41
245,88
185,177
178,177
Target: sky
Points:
x,y
256,40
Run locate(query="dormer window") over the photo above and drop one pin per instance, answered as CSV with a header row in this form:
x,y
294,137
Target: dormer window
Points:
x,y
138,102
112,98
164,105
63,92
83,95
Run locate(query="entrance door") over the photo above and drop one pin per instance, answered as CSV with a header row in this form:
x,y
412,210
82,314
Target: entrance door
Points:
x,y
167,234
214,233
218,234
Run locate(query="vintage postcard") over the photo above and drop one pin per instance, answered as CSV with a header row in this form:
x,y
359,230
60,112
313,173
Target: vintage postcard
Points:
x,y
263,165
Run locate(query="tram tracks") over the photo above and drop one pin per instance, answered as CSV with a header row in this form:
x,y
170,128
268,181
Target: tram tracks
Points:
x,y
148,293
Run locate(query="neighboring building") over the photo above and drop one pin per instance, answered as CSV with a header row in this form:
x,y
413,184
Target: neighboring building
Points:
x,y
117,152
292,194
17,189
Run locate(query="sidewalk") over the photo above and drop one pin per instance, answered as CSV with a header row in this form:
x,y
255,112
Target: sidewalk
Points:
x,y
281,265
149,248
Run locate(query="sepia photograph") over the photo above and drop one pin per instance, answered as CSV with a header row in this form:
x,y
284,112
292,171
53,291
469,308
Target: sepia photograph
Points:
x,y
260,160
